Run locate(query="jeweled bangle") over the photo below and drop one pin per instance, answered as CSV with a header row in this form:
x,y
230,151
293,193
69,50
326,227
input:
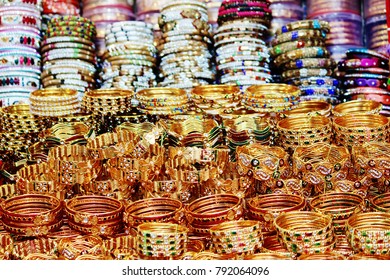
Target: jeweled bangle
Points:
x,y
162,210
262,162
365,230
306,72
241,237
298,34
307,52
31,214
98,215
359,106
152,237
304,24
72,164
265,208
290,46
351,130
299,131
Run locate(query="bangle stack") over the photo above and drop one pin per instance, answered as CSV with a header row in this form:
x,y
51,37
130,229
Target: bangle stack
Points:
x,y
357,129
31,214
265,208
369,233
237,237
305,232
206,212
304,131
310,108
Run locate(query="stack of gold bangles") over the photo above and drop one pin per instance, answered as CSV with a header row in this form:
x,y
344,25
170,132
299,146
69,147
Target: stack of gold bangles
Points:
x,y
368,107
163,101
357,129
271,97
161,210
31,214
265,208
97,215
310,108
161,241
339,206
369,233
215,99
208,211
102,102
305,232
54,102
239,237
304,131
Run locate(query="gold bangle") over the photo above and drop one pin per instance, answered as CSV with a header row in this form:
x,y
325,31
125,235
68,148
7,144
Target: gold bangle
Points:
x,y
368,107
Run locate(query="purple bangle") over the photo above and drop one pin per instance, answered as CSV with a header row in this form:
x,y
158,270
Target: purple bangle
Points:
x,y
363,63
242,13
361,82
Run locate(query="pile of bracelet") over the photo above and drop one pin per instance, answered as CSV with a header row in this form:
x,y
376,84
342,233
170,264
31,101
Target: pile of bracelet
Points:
x,y
372,162
357,129
369,232
68,54
20,61
339,206
304,232
161,241
163,101
321,165
215,99
238,237
208,211
184,46
271,98
265,208
380,203
55,8
103,13
304,131
345,21
366,74
31,214
242,55
375,15
300,54
54,102
130,59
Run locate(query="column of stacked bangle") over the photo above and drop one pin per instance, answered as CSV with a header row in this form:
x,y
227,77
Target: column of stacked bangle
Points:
x,y
20,61
300,54
369,233
68,54
365,76
184,46
305,232
242,54
130,58
161,241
